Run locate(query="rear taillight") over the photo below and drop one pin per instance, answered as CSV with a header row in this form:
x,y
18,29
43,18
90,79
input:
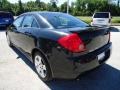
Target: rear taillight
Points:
x,y
72,43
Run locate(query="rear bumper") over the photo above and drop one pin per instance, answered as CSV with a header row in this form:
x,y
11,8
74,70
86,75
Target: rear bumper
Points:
x,y
104,25
70,67
4,25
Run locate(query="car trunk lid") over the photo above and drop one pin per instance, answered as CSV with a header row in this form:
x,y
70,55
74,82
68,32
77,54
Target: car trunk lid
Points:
x,y
93,37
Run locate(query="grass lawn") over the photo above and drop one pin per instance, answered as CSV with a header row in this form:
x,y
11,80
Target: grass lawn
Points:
x,y
87,19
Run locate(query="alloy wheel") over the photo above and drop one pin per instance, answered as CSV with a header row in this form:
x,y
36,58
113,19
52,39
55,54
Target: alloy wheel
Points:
x,y
40,66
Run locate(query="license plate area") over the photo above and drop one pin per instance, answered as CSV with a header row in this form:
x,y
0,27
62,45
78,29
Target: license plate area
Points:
x,y
101,56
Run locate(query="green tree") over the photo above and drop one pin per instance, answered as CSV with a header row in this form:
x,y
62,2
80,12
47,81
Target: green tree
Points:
x,y
38,3
5,5
54,5
88,7
63,7
80,7
21,8
15,9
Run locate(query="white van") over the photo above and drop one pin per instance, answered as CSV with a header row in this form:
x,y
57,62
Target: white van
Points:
x,y
101,19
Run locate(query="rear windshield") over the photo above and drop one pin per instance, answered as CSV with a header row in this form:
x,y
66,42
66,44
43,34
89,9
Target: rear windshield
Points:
x,y
60,20
101,15
5,15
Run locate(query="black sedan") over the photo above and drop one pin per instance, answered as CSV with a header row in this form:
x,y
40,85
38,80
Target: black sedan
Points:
x,y
59,45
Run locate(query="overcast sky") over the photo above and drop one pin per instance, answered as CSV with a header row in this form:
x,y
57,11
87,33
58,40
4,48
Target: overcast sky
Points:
x,y
60,1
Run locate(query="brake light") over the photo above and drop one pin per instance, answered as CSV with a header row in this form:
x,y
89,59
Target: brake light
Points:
x,y
72,43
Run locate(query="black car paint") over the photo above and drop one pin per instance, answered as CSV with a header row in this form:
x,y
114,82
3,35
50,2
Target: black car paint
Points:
x,y
63,64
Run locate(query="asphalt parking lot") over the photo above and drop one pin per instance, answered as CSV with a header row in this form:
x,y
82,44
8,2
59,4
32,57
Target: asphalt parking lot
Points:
x,y
17,73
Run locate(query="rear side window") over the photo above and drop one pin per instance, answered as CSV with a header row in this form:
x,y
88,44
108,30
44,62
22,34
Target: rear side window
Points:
x,y
34,23
6,15
27,22
101,15
18,21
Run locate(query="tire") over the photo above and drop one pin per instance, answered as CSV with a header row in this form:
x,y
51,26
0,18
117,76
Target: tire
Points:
x,y
8,41
42,67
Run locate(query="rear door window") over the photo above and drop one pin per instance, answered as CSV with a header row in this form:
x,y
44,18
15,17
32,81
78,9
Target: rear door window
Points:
x,y
101,15
35,24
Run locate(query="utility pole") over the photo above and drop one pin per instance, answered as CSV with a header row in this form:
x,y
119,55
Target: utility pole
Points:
x,y
67,6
